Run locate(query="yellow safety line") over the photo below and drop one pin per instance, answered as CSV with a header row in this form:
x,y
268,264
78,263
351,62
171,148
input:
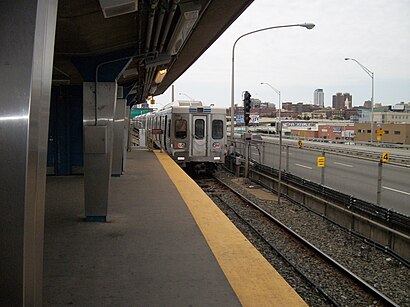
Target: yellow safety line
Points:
x,y
254,280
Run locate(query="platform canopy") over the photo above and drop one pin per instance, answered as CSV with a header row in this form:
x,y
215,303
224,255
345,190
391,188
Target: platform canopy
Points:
x,y
143,44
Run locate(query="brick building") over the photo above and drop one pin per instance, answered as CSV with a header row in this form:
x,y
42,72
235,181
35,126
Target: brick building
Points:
x,y
299,107
325,131
393,133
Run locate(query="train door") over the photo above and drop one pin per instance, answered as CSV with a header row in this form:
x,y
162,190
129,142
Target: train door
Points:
x,y
168,134
199,136
165,132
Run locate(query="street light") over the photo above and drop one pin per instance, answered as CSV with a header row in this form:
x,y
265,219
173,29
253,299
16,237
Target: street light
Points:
x,y
278,129
371,75
277,92
304,25
190,98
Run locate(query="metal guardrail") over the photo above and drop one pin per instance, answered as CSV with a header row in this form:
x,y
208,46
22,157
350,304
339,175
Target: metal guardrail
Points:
x,y
384,145
390,218
321,140
402,159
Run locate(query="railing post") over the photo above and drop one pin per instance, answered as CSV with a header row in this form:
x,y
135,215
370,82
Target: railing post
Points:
x,y
280,162
322,177
379,182
247,138
287,157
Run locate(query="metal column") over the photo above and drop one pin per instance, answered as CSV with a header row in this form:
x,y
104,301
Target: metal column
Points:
x,y
27,31
125,138
98,116
118,148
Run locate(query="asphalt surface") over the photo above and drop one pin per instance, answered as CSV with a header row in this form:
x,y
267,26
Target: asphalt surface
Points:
x,y
347,174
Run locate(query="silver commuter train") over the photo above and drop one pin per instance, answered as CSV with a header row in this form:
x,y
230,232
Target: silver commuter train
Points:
x,y
193,135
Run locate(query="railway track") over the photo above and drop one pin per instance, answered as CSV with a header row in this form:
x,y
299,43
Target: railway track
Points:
x,y
325,282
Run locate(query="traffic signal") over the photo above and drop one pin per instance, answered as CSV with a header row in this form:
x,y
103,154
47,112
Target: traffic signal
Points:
x,y
247,107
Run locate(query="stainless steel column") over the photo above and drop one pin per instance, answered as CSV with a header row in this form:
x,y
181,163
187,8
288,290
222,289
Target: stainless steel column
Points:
x,y
27,31
126,136
118,148
98,116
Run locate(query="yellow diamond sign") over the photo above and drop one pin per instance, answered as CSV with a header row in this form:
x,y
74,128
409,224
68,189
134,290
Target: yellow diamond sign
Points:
x,y
385,157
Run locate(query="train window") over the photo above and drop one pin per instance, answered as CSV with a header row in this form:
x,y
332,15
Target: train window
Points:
x,y
180,128
217,129
199,128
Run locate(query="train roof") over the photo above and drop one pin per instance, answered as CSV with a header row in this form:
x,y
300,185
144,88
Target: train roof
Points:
x,y
189,106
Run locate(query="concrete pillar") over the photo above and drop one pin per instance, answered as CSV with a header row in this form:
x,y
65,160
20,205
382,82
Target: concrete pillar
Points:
x,y
27,34
118,149
98,116
126,136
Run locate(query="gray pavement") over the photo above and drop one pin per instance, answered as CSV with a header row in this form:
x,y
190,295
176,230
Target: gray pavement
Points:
x,y
150,253
347,174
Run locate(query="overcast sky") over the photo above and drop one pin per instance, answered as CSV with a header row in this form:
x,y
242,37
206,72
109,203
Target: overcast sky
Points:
x,y
297,61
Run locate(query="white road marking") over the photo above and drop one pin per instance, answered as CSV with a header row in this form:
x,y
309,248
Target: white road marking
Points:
x,y
303,166
398,191
342,164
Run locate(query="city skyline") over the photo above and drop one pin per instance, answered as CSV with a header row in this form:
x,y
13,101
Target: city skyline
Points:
x,y
297,61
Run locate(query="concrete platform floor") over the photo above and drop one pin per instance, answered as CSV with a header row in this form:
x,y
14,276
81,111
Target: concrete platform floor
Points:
x,y
149,253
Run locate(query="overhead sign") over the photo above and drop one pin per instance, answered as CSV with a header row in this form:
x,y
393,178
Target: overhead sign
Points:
x,y
254,118
136,112
300,124
239,119
385,157
321,161
300,144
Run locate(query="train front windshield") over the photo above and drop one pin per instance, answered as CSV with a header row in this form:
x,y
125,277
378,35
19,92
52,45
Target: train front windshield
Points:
x,y
217,129
181,128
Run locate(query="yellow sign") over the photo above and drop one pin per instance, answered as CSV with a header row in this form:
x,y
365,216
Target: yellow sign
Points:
x,y
379,137
321,161
380,131
385,157
300,144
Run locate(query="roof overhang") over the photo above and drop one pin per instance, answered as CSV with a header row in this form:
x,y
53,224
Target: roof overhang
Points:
x,y
142,38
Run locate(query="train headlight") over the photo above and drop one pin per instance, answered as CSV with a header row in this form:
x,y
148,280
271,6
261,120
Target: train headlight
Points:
x,y
181,145
216,145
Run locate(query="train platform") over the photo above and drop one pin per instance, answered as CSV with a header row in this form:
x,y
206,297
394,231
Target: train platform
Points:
x,y
165,244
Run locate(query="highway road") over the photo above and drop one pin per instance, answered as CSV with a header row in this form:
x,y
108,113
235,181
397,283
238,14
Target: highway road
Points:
x,y
347,174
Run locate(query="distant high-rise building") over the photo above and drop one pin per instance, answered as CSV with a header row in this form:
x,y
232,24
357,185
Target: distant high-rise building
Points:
x,y
348,100
255,103
319,98
342,101
337,101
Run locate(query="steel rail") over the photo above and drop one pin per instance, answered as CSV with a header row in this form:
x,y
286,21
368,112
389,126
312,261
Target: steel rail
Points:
x,y
384,299
381,247
277,251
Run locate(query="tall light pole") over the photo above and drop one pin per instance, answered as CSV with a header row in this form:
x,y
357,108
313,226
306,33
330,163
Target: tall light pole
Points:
x,y
190,98
278,129
277,92
305,25
371,75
